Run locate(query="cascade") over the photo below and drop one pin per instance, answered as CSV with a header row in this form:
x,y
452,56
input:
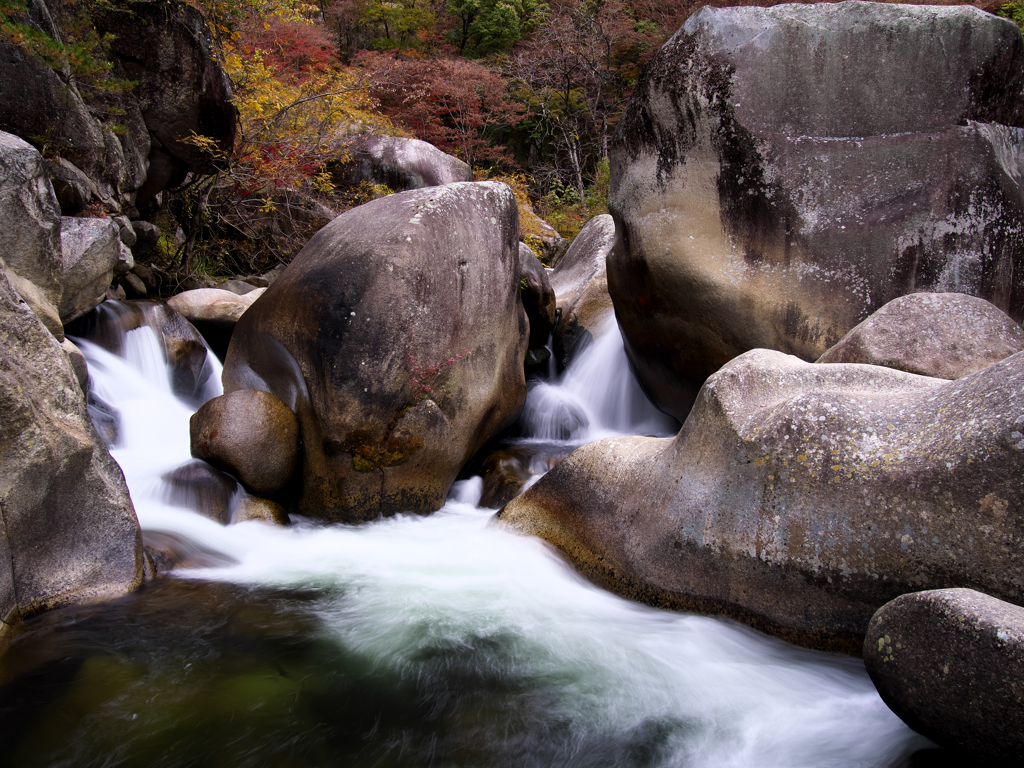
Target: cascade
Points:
x,y
440,640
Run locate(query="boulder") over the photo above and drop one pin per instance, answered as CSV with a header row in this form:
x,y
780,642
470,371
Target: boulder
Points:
x,y
397,337
262,510
212,305
800,498
781,173
249,433
78,363
946,335
239,287
184,349
91,250
201,488
31,223
69,530
950,663
581,288
537,295
396,162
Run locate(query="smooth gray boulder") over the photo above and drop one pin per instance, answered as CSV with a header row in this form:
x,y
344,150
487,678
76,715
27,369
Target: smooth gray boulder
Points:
x,y
398,163
91,250
950,663
946,335
397,336
800,498
581,286
781,173
69,530
31,223
213,305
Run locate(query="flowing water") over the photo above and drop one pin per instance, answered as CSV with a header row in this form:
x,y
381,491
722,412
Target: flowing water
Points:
x,y
413,641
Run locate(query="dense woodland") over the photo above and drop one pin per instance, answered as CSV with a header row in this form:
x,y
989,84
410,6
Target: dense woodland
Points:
x,y
524,91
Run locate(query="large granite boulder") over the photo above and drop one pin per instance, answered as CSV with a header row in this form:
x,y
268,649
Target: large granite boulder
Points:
x,y
800,498
581,288
213,305
950,663
69,530
90,250
396,162
946,335
397,336
30,224
781,173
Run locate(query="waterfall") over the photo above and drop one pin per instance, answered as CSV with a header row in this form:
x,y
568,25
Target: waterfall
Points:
x,y
441,640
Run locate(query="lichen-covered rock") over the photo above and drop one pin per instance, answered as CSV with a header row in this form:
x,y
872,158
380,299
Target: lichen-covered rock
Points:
x,y
946,335
538,296
69,531
581,285
800,497
950,663
398,163
781,173
397,337
90,251
249,433
30,222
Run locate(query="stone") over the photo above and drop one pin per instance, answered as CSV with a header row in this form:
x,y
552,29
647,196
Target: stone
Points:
x,y
78,363
201,488
781,173
950,663
537,296
212,305
73,188
69,531
397,337
184,349
261,510
30,221
946,335
800,498
581,287
90,250
396,162
250,434
239,287
147,235
134,288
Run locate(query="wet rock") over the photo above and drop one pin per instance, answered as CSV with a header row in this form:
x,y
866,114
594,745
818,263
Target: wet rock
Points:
x,y
781,173
397,336
950,663
69,530
262,510
184,349
78,363
504,473
946,335
249,433
171,551
800,498
398,163
201,488
90,249
581,286
537,295
30,220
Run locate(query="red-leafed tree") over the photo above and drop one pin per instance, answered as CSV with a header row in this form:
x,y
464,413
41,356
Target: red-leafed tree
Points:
x,y
459,106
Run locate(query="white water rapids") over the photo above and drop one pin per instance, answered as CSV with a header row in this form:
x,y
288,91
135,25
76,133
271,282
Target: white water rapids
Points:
x,y
614,682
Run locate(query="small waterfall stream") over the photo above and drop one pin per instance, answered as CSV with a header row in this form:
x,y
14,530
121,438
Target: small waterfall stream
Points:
x,y
412,641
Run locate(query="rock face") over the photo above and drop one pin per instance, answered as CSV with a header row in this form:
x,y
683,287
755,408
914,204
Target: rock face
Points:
x,y
30,221
397,337
398,163
946,335
249,433
581,285
781,173
950,663
800,497
69,530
